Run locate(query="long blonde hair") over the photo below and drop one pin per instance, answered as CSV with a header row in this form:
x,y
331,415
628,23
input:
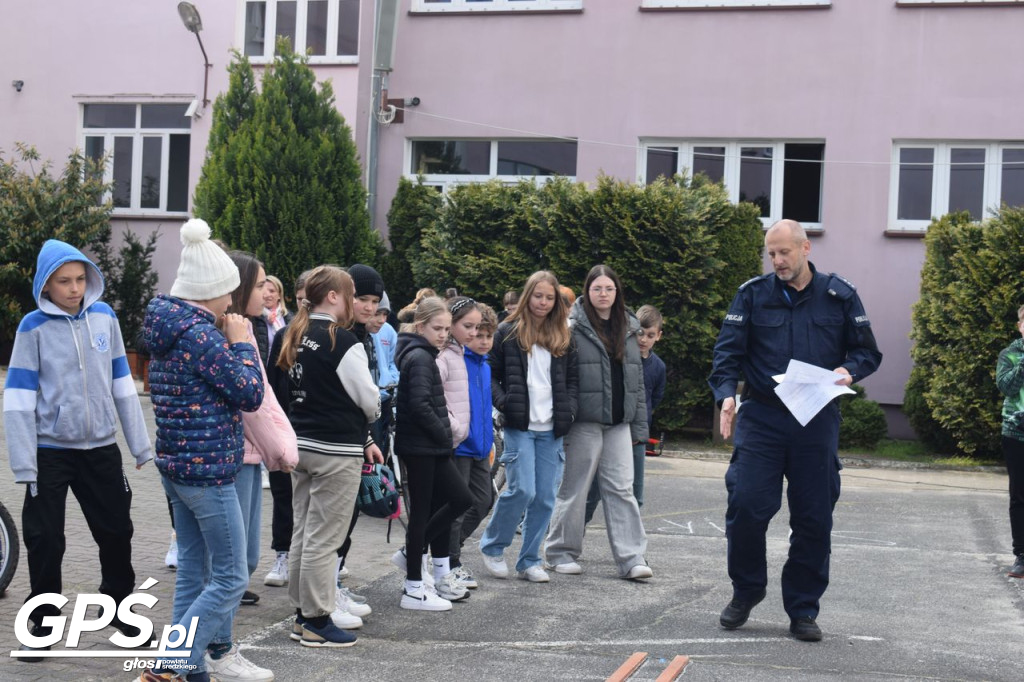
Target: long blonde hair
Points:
x,y
321,281
553,332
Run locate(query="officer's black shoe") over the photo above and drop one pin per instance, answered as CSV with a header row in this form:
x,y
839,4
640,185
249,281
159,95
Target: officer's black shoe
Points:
x,y
250,598
37,631
805,629
131,631
737,612
1017,570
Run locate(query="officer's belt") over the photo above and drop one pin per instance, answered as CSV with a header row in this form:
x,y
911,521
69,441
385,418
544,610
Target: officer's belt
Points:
x,y
769,399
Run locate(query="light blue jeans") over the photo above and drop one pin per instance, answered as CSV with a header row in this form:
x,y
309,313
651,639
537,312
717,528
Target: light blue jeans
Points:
x,y
534,461
249,487
208,523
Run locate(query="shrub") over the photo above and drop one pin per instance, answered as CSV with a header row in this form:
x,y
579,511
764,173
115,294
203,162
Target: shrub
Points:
x,y
863,424
36,206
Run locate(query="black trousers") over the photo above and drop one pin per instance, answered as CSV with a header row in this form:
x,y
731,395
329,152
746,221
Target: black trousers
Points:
x,y
281,520
97,480
1013,451
437,496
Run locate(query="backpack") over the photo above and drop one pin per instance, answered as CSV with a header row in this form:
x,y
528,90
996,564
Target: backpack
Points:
x,y
377,494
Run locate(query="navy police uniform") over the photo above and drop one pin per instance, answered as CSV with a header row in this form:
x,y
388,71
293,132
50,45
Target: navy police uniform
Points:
x,y
768,324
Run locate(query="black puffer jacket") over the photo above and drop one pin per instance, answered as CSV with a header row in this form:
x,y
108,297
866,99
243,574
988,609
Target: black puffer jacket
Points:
x,y
262,335
508,382
421,414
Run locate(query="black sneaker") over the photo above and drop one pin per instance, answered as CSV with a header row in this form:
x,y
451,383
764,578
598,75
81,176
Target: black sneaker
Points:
x,y
805,629
250,598
37,631
1017,570
737,612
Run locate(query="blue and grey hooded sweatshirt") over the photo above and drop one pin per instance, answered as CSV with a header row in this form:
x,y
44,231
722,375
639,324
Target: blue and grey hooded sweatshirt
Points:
x,y
68,375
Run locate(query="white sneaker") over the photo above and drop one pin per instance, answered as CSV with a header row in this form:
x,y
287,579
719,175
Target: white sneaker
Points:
x,y
466,578
427,572
171,559
233,667
343,603
344,620
495,565
343,573
278,575
535,574
450,588
265,482
424,600
639,572
570,568
352,596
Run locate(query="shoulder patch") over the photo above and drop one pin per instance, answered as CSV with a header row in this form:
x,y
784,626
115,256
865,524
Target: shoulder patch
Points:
x,y
754,279
840,287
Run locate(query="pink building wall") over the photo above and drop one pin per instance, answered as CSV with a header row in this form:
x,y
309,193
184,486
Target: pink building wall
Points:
x,y
112,48
858,75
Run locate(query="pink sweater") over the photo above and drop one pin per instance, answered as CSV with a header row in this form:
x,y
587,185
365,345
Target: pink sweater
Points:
x,y
451,363
269,437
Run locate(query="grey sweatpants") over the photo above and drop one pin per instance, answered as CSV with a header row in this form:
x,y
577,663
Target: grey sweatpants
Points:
x,y
604,452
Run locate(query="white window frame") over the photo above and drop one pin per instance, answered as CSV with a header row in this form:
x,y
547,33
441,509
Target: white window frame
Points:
x,y
731,4
421,6
955,3
941,166
301,9
138,134
731,170
449,181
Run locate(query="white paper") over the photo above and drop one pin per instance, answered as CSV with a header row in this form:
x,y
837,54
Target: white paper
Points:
x,y
805,389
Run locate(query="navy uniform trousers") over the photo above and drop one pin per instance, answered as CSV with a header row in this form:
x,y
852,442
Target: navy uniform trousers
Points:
x,y
769,445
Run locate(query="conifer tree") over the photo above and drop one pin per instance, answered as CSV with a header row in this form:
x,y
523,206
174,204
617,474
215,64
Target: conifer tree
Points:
x,y
282,179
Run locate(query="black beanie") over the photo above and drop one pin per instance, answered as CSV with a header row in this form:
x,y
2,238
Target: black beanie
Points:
x,y
367,281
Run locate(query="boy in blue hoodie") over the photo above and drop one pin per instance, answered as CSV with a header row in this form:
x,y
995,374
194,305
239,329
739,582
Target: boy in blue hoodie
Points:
x,y
67,377
472,456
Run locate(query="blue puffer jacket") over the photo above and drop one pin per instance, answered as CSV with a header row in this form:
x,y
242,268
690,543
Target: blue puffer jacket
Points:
x,y
199,384
480,440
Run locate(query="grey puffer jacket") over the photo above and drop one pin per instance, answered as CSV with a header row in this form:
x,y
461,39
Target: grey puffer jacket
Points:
x,y
595,376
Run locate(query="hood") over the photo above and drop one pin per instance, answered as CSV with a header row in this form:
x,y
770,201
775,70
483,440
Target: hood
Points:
x,y
407,342
167,318
53,255
474,356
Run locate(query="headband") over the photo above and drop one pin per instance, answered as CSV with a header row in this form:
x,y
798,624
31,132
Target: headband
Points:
x,y
459,305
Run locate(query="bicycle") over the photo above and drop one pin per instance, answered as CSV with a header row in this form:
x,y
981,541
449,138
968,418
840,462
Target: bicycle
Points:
x,y
497,466
9,549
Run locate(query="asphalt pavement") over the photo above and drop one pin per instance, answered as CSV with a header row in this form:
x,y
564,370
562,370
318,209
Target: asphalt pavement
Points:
x,y
918,592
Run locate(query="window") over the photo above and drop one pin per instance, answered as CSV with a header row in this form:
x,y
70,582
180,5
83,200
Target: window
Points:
x,y
932,179
495,5
445,163
146,147
947,3
729,4
327,29
784,179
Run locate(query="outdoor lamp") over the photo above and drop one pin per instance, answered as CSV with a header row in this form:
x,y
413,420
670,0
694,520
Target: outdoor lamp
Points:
x,y
190,17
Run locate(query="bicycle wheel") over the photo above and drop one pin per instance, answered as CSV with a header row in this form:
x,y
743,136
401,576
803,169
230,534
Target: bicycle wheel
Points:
x,y
9,548
497,468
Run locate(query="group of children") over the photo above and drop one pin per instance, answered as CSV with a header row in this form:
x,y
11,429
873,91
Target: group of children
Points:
x,y
309,398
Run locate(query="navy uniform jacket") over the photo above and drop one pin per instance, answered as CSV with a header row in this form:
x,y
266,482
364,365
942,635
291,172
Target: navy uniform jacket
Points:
x,y
824,325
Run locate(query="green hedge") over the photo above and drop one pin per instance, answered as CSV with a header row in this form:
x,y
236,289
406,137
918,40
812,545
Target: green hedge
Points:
x,y
970,292
680,245
863,424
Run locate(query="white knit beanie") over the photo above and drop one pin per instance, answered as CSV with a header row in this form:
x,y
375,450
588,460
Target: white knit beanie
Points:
x,y
206,271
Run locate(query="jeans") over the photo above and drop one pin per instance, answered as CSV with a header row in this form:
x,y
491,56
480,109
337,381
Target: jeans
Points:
x,y
249,488
534,462
208,521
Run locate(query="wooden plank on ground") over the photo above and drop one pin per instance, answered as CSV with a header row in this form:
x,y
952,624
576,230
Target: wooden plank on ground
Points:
x,y
629,667
674,669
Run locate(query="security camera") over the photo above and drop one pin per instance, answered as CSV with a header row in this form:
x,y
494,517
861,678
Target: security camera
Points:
x,y
18,85
193,109
411,101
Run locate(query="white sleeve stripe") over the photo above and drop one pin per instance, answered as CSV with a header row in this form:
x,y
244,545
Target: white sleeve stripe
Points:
x,y
124,387
19,400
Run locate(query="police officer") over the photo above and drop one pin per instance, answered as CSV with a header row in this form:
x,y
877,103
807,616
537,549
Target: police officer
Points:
x,y
793,313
